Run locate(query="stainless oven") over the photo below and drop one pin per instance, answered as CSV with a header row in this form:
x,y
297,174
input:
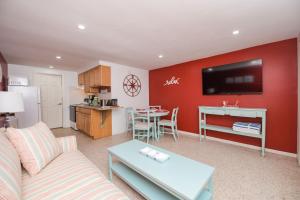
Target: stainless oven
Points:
x,y
73,117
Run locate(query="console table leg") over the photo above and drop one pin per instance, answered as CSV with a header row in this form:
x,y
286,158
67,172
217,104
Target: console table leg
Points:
x,y
263,139
200,126
263,147
109,166
205,124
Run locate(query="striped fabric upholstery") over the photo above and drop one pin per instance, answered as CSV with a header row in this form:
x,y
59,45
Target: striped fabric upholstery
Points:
x,y
70,176
35,145
10,171
67,143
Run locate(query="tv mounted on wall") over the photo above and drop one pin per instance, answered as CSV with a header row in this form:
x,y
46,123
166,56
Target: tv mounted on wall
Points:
x,y
236,78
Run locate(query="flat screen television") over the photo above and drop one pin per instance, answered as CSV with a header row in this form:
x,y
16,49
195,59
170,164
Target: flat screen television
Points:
x,y
236,78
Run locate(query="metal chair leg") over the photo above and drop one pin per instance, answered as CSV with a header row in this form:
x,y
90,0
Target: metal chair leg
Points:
x,y
158,132
148,135
173,133
176,131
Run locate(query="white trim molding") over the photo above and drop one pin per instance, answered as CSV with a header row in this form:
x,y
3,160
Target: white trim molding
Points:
x,y
293,155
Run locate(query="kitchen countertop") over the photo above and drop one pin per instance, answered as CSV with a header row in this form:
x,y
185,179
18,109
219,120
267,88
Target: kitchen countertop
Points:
x,y
97,107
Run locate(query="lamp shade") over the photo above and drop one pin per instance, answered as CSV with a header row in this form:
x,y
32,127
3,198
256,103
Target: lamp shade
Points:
x,y
11,102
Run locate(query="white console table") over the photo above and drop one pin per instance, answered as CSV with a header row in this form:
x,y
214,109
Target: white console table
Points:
x,y
235,112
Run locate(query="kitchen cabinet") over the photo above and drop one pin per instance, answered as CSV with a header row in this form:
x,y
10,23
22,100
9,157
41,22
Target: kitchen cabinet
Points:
x,y
93,122
87,124
79,121
95,78
102,76
88,76
81,79
92,80
83,121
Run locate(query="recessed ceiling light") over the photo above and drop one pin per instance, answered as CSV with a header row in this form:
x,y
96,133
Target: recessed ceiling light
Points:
x,y
160,56
58,57
235,32
51,67
81,27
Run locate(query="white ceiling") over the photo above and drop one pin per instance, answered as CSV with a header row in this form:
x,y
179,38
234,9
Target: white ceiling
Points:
x,y
134,32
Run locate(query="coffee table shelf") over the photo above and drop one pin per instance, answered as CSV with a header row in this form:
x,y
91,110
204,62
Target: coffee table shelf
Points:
x,y
145,187
177,178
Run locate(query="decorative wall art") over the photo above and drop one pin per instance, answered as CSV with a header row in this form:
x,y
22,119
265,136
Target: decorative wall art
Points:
x,y
132,85
172,81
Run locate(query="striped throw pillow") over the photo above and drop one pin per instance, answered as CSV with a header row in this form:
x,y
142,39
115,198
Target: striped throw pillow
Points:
x,y
10,171
36,146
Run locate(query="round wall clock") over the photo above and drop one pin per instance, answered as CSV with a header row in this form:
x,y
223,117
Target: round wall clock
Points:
x,y
132,85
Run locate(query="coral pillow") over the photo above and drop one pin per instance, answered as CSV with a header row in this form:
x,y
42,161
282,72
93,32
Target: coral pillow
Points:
x,y
36,146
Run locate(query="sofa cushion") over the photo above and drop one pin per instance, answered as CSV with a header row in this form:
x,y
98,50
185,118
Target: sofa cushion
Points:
x,y
67,143
10,171
70,176
36,146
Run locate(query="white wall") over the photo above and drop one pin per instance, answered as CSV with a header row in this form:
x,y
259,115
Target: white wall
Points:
x,y
118,73
69,83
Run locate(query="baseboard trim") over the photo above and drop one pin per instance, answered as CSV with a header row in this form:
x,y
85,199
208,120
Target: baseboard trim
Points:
x,y
293,155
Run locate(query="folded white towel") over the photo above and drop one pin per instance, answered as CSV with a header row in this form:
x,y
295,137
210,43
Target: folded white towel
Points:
x,y
246,130
152,153
248,125
145,150
161,157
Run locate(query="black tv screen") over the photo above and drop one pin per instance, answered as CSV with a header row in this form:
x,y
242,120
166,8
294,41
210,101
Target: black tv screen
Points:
x,y
236,78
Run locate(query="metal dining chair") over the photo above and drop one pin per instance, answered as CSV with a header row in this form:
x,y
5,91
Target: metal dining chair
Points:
x,y
129,119
156,107
142,127
169,123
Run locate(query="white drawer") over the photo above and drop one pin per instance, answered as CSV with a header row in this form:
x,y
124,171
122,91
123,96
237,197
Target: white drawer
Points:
x,y
243,113
214,111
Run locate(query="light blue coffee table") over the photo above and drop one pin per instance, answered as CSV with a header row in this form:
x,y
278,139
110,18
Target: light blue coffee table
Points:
x,y
177,178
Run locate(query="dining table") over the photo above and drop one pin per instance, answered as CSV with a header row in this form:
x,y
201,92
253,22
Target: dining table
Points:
x,y
154,114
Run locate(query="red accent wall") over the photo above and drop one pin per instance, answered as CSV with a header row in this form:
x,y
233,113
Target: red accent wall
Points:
x,y
279,93
3,79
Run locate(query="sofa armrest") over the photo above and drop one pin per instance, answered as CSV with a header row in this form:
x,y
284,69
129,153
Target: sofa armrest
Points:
x,y
67,143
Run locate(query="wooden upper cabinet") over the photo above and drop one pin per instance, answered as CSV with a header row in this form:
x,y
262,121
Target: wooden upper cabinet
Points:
x,y
92,73
81,79
88,81
101,76
95,78
105,76
86,78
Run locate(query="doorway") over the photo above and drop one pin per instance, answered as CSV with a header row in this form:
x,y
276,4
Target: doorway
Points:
x,y
51,98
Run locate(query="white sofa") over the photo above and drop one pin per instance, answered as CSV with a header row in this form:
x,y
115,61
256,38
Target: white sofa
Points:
x,y
69,176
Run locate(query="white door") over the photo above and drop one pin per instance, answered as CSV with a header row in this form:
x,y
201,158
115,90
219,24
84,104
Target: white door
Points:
x,y
51,99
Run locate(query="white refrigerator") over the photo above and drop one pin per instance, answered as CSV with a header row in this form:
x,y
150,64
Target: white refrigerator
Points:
x,y
32,109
